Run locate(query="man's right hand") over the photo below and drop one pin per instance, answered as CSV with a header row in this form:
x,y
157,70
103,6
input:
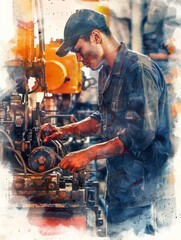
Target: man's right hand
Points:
x,y
87,126
49,132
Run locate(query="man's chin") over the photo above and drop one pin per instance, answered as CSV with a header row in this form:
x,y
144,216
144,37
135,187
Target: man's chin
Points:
x,y
97,67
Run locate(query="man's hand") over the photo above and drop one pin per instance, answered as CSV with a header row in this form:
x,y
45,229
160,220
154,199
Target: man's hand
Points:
x,y
87,126
49,132
76,160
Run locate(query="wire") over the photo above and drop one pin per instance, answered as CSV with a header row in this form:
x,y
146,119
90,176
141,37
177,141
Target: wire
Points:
x,y
21,162
8,137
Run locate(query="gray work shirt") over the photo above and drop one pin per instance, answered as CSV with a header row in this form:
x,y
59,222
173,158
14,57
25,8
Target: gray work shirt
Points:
x,y
133,106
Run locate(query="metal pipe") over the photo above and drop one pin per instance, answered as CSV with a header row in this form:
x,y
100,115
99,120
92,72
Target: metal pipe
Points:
x,y
136,41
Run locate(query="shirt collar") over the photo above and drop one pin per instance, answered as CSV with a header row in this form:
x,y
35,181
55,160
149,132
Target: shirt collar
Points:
x,y
117,66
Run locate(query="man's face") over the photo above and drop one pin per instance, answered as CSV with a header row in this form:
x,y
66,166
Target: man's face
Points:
x,y
90,53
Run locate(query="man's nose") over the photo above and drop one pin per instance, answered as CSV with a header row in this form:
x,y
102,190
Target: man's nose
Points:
x,y
79,57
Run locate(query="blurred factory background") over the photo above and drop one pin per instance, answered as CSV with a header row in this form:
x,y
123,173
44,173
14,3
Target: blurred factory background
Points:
x,y
38,87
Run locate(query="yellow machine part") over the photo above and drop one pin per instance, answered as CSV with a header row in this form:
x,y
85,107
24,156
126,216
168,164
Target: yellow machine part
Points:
x,y
106,11
55,74
63,75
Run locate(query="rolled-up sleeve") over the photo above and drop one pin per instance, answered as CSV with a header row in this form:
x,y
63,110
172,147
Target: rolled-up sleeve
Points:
x,y
147,114
96,115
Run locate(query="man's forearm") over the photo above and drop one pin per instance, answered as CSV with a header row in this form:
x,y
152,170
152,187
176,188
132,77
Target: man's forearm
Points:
x,y
87,126
113,147
75,161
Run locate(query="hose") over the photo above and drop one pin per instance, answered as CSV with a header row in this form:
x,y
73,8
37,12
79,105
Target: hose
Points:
x,y
21,162
8,137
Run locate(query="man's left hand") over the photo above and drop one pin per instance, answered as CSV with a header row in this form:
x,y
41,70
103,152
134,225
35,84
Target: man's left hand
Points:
x,y
75,161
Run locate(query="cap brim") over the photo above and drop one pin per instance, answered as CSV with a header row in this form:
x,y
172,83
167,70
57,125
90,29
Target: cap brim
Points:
x,y
63,49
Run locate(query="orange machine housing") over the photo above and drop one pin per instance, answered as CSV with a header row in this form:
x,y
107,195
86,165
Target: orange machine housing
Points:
x,y
63,75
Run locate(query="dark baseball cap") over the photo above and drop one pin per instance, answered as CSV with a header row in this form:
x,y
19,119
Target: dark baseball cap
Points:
x,y
79,23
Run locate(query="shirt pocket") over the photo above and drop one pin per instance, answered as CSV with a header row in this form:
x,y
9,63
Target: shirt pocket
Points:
x,y
135,176
133,168
127,181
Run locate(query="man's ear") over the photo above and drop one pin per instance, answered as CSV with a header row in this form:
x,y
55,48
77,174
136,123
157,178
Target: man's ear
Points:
x,y
96,36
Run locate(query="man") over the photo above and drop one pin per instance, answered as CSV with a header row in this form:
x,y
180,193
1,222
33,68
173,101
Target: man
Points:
x,y
132,118
159,25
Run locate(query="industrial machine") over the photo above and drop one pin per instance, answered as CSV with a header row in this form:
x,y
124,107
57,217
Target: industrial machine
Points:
x,y
38,182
